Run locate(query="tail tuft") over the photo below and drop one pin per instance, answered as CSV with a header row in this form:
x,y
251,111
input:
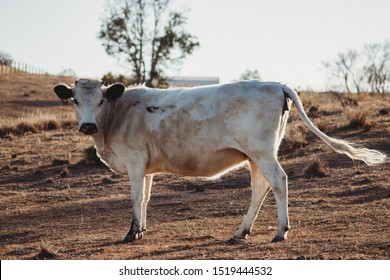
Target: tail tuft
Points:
x,y
370,157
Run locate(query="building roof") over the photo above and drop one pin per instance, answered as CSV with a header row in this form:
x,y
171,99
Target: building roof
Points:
x,y
193,81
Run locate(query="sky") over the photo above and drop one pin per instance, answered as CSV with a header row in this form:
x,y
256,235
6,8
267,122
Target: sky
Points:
x,y
285,40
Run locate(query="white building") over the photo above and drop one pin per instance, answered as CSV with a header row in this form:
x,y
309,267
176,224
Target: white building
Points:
x,y
192,81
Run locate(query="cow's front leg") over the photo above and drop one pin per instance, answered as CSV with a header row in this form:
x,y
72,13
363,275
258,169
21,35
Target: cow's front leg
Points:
x,y
147,191
137,179
135,231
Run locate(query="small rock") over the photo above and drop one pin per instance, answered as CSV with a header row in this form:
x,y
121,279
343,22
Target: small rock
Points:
x,y
49,181
46,253
64,173
5,167
38,172
108,181
57,162
19,162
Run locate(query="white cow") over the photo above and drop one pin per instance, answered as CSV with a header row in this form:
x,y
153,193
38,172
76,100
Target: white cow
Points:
x,y
201,131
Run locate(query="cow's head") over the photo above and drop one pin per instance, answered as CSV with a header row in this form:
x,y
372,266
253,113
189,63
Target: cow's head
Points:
x,y
88,98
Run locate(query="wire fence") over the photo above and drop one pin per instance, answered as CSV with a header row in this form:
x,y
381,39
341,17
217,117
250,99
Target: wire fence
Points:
x,y
21,67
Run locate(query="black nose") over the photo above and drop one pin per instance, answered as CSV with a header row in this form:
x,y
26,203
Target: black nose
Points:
x,y
88,128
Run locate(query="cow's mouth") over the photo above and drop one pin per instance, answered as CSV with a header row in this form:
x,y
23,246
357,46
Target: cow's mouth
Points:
x,y
88,128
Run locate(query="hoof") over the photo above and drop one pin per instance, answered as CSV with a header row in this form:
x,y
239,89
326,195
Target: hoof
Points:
x,y
132,237
139,235
235,240
127,239
277,239
238,239
241,235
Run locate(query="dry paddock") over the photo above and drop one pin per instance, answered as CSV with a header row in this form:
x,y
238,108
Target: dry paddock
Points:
x,y
54,205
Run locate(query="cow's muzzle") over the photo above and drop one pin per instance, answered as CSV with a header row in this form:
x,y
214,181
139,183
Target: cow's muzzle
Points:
x,y
88,128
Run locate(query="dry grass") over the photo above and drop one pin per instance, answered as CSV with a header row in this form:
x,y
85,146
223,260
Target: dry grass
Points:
x,y
28,105
314,111
314,98
315,169
296,135
358,118
323,125
90,155
36,122
348,101
46,253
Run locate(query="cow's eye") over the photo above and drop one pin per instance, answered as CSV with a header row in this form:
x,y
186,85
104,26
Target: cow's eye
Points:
x,y
101,102
75,101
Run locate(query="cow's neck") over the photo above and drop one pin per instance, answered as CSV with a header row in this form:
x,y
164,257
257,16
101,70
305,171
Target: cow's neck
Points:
x,y
101,146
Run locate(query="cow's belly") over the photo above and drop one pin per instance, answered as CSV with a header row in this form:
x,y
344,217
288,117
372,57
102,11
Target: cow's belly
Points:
x,y
205,164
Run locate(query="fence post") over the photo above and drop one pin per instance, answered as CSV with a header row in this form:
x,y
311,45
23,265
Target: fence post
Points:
x,y
20,67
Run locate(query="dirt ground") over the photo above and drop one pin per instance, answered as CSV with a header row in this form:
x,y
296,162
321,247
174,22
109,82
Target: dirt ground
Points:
x,y
53,205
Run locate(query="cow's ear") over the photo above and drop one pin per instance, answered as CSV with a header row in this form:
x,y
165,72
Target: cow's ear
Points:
x,y
63,91
115,91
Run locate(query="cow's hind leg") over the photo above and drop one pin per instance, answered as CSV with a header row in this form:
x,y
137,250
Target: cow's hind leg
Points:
x,y
277,179
260,189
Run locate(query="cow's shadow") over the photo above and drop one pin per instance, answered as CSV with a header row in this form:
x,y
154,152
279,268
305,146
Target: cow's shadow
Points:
x,y
187,251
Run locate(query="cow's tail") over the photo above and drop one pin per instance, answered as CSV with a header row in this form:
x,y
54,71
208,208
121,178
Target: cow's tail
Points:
x,y
369,156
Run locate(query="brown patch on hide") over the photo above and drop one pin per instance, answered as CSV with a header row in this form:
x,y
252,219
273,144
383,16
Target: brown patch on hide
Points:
x,y
113,116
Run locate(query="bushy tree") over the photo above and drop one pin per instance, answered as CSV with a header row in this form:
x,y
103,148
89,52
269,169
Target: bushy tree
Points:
x,y
250,75
5,59
367,69
147,36
378,67
110,78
